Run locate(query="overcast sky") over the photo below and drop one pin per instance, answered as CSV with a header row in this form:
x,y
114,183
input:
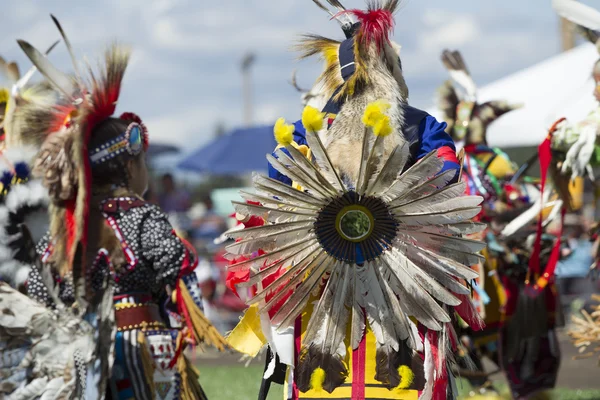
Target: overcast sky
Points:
x,y
185,76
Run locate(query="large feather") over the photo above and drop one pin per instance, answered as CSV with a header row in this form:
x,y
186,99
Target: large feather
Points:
x,y
452,216
377,309
58,79
425,188
418,301
260,231
373,165
279,189
364,159
269,242
323,161
286,254
422,171
305,170
450,192
434,241
70,50
273,215
267,200
443,201
297,175
461,228
457,67
437,271
426,282
311,170
391,170
325,337
20,84
290,310
401,321
288,281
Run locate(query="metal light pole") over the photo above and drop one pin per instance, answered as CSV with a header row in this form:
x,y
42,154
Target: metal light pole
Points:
x,y
247,62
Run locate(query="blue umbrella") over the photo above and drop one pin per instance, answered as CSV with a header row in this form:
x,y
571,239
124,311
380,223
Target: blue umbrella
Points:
x,y
241,151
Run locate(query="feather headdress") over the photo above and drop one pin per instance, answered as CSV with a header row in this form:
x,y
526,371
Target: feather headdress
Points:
x,y
379,250
467,119
359,70
24,107
64,159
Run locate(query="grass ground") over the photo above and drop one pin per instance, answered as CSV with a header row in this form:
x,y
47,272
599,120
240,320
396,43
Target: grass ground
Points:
x,y
237,382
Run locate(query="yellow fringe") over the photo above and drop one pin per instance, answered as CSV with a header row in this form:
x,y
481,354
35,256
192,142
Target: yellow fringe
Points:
x,y
190,385
147,362
204,331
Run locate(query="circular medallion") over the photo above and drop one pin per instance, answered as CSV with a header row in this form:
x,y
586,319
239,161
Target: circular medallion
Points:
x,y
355,229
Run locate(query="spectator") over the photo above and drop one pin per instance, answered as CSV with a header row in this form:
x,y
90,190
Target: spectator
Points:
x,y
211,225
150,195
172,199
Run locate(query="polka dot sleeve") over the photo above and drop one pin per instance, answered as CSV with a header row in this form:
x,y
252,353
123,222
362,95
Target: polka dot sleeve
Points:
x,y
161,248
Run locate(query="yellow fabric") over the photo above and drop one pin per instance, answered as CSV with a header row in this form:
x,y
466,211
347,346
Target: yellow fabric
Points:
x,y
576,190
494,289
247,337
500,167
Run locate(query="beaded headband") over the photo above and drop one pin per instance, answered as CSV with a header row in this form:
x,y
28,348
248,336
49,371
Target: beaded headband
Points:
x,y
133,141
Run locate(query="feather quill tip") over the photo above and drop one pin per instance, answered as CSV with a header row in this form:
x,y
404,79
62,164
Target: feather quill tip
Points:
x,y
317,378
374,112
284,134
383,128
312,119
407,376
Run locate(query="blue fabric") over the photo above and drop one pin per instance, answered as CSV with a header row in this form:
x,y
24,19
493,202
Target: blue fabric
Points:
x,y
120,371
433,136
300,138
346,57
578,263
241,151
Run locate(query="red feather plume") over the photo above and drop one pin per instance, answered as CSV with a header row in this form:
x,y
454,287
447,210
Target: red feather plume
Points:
x,y
100,106
376,25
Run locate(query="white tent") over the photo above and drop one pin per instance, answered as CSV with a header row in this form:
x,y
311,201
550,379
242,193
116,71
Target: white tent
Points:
x,y
560,86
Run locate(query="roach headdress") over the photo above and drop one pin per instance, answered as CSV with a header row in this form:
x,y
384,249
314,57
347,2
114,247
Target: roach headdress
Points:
x,y
359,70
466,118
24,106
64,160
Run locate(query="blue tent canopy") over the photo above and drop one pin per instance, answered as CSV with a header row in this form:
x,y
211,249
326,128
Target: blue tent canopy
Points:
x,y
241,151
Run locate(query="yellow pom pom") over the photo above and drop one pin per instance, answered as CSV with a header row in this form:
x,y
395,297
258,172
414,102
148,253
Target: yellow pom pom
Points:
x,y
374,112
317,379
383,127
312,119
4,96
407,376
284,134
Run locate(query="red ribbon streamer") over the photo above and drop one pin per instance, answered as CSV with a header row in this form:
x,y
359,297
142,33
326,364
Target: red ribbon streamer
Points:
x,y
545,156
